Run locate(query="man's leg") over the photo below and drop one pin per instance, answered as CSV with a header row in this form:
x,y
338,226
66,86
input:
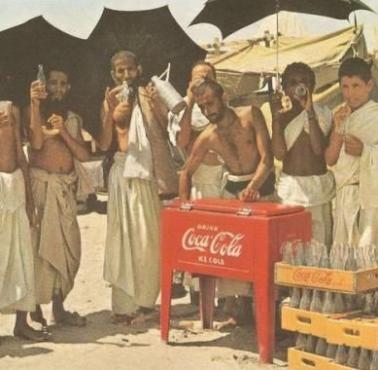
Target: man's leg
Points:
x,y
24,331
64,317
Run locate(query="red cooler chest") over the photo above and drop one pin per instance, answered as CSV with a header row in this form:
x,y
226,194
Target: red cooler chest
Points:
x,y
229,239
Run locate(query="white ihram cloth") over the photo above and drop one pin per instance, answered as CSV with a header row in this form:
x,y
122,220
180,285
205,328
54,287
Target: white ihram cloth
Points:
x,y
16,254
300,123
315,193
207,182
356,214
132,263
138,162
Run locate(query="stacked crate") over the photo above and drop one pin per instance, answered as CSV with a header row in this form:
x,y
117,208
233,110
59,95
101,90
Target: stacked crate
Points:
x,y
345,340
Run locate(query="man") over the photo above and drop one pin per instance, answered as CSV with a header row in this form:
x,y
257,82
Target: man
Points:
x,y
17,293
352,151
184,128
142,171
241,138
57,147
299,140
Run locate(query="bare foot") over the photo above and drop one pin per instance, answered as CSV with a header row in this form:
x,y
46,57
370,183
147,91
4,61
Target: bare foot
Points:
x,y
145,314
230,322
122,319
27,332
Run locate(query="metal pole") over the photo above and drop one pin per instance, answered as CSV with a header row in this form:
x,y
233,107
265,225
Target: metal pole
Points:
x,y
278,87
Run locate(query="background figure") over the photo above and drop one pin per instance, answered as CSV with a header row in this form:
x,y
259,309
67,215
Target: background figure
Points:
x,y
299,140
207,179
57,147
17,216
352,151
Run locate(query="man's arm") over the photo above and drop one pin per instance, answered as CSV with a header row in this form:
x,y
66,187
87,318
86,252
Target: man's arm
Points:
x,y
76,145
278,139
337,137
37,93
317,139
198,153
105,138
265,165
22,164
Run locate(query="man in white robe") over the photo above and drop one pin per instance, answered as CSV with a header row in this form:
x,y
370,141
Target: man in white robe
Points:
x,y
299,140
353,151
142,172
17,285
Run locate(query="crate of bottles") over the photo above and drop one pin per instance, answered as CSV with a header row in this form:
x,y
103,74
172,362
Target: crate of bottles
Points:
x,y
300,360
352,282
351,329
304,321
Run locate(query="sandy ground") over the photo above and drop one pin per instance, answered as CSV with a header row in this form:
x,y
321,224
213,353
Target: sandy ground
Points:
x,y
103,345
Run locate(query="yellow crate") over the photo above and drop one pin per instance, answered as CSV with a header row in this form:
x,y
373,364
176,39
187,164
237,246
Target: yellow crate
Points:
x,y
353,331
302,321
350,329
299,360
351,282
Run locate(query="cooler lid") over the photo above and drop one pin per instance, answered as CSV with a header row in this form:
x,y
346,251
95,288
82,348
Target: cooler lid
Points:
x,y
235,206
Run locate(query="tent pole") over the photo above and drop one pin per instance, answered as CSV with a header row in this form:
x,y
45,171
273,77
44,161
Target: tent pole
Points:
x,y
278,84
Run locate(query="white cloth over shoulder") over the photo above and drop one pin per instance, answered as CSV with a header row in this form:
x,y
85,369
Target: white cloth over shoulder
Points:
x,y
362,123
300,123
138,163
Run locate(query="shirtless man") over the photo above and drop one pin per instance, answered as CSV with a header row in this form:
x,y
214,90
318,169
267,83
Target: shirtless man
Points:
x,y
207,179
299,139
142,171
56,146
241,138
17,292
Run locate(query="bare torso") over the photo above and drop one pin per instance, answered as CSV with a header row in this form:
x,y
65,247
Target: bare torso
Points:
x,y
300,160
8,149
122,138
54,157
236,144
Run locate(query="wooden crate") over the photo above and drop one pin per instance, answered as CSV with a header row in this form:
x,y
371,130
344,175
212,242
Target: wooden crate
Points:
x,y
350,329
351,282
353,331
300,360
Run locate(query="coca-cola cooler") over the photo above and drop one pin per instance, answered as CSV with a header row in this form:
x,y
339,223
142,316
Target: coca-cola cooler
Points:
x,y
230,239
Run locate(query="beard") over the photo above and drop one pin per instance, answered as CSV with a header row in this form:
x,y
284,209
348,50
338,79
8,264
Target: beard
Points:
x,y
54,106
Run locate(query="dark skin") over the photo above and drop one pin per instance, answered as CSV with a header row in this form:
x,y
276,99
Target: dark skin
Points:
x,y
11,158
116,116
240,137
306,157
53,153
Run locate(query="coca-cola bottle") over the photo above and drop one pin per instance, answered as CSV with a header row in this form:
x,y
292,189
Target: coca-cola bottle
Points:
x,y
321,347
41,75
341,356
364,359
353,357
374,361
